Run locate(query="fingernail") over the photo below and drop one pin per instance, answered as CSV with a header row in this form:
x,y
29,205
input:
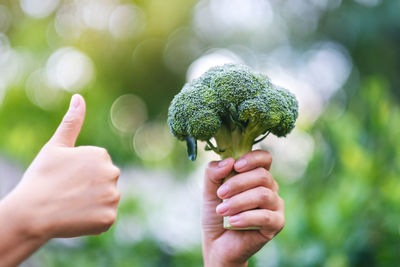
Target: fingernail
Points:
x,y
234,219
223,190
222,208
240,163
223,163
75,102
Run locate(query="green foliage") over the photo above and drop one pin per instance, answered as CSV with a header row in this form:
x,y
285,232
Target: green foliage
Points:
x,y
234,105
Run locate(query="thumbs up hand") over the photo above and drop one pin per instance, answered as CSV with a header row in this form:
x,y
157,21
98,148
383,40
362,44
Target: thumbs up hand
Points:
x,y
67,191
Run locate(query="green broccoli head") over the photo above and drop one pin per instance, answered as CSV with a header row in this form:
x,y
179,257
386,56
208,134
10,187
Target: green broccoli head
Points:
x,y
234,105
193,113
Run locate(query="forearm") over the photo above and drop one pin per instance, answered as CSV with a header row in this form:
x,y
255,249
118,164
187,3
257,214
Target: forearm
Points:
x,y
17,242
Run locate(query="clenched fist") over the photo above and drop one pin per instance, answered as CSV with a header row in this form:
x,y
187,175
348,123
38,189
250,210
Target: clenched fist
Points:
x,y
251,200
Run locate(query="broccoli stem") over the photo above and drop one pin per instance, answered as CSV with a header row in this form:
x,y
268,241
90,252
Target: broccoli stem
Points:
x,y
233,141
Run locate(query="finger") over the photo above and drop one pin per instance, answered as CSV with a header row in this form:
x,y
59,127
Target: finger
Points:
x,y
216,171
245,181
95,151
271,222
68,131
116,172
111,173
252,160
259,197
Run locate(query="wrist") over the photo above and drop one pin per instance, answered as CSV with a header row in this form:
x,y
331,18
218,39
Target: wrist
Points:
x,y
21,220
216,262
18,239
212,259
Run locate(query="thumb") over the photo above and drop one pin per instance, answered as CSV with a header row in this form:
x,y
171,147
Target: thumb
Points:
x,y
216,171
68,131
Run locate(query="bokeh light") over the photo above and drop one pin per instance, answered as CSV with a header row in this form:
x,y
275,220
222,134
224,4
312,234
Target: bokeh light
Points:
x,y
328,68
128,112
129,230
212,58
40,92
313,75
11,63
291,154
69,69
176,220
181,48
126,21
153,141
68,23
39,8
221,18
96,13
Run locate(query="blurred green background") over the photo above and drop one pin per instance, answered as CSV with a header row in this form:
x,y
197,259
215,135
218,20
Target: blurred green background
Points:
x,y
338,171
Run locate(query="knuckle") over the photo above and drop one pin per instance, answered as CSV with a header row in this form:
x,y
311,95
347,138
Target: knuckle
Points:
x,y
102,152
109,218
276,186
266,218
265,194
281,223
264,175
113,195
116,196
99,152
115,172
268,157
108,170
265,155
281,202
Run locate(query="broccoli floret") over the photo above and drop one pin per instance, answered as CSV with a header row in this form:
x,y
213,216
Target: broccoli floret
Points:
x,y
235,106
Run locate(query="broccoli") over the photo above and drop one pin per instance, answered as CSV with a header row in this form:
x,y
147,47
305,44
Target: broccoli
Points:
x,y
233,105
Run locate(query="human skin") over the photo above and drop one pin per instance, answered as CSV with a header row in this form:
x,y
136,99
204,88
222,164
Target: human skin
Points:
x,y
252,200
67,191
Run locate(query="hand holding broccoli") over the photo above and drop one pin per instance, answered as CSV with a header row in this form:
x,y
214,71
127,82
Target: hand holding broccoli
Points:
x,y
253,202
236,107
